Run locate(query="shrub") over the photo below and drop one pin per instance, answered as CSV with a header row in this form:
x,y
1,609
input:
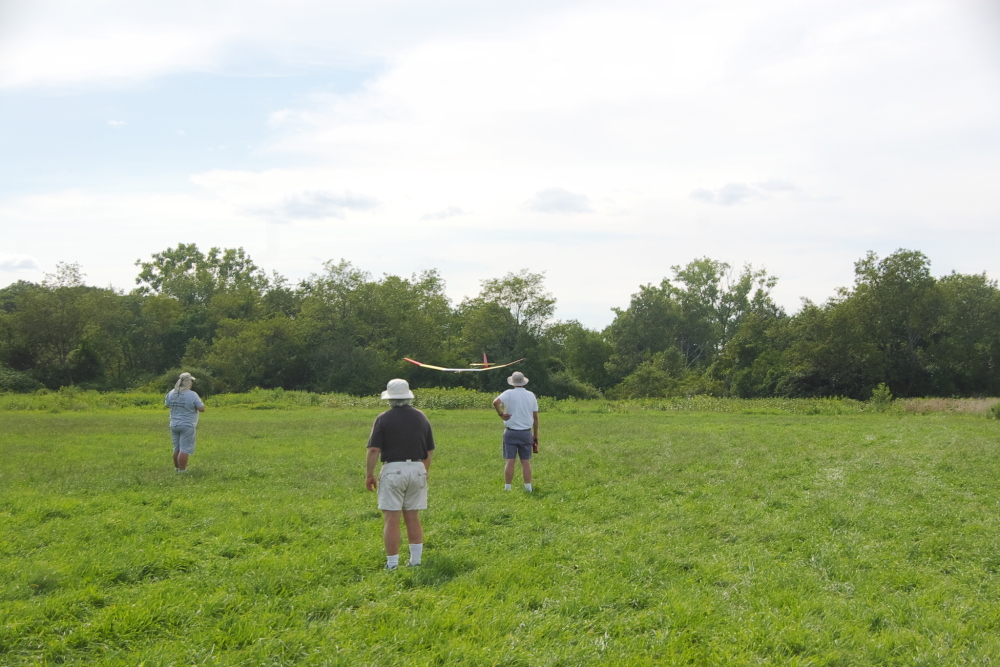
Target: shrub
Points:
x,y
16,381
563,385
204,383
881,397
994,412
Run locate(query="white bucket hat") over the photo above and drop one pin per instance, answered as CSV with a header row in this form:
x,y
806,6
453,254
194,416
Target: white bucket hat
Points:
x,y
517,379
397,389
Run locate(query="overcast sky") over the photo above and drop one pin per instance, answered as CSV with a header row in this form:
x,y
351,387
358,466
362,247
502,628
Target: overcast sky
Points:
x,y
600,142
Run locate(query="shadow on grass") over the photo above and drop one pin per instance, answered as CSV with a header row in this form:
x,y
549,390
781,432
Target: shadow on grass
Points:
x,y
437,571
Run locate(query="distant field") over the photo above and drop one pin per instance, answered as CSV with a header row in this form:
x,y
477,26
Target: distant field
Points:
x,y
654,537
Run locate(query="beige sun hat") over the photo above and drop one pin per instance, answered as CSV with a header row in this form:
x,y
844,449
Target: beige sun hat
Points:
x,y
517,379
184,382
397,389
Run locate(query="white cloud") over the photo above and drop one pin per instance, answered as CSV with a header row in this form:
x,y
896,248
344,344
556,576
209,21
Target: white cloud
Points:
x,y
728,195
443,214
86,42
319,205
777,185
558,200
731,194
18,263
653,110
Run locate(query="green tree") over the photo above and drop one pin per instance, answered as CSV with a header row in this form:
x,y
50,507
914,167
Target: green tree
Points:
x,y
696,313
964,353
221,284
191,276
266,353
583,352
508,320
899,305
750,364
52,322
358,329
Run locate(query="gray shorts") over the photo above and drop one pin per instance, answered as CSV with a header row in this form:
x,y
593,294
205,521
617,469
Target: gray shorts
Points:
x,y
183,437
517,443
402,485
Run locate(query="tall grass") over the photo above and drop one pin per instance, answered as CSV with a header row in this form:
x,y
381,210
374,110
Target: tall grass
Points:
x,y
76,400
654,537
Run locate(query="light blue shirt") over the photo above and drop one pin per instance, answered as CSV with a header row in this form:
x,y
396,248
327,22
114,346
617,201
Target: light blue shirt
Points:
x,y
183,407
521,405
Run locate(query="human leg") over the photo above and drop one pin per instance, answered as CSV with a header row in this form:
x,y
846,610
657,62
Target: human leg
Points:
x,y
392,486
526,470
390,532
414,531
184,441
414,535
508,471
510,439
175,437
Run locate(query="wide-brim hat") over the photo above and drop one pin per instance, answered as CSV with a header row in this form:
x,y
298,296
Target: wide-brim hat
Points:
x,y
517,379
397,389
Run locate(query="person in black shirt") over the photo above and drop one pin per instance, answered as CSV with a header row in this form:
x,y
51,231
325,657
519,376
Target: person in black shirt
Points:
x,y
402,438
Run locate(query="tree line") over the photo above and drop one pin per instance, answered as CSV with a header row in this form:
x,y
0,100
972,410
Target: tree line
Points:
x,y
706,329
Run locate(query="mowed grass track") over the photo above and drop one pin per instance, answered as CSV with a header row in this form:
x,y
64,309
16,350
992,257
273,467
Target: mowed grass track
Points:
x,y
652,538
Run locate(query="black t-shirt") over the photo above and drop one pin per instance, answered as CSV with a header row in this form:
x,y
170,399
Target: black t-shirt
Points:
x,y
402,433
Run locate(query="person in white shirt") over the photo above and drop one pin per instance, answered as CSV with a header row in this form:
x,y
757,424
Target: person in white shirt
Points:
x,y
518,407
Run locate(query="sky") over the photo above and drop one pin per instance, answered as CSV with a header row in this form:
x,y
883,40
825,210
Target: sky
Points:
x,y
599,142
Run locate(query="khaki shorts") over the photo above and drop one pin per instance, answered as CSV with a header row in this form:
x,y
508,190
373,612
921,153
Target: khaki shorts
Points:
x,y
402,486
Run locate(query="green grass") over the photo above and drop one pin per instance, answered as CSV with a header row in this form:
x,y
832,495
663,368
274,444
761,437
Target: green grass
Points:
x,y
655,536
73,399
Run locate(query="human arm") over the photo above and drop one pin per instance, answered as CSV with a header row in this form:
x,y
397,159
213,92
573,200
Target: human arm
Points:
x,y
534,425
202,408
373,454
498,406
427,463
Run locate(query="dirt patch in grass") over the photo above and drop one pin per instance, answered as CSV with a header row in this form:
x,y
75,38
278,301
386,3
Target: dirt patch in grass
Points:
x,y
977,406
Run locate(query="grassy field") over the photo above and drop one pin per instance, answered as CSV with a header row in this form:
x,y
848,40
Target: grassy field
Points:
x,y
653,537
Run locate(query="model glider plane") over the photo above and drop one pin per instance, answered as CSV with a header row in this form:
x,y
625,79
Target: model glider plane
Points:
x,y
475,368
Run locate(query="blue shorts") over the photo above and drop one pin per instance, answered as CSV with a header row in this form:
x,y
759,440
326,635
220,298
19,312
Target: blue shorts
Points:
x,y
183,437
517,443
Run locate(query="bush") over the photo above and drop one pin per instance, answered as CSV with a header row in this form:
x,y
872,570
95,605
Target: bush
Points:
x,y
562,385
994,412
204,383
646,381
16,381
881,397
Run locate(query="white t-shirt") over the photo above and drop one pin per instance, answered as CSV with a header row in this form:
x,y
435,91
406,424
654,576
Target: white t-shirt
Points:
x,y
520,404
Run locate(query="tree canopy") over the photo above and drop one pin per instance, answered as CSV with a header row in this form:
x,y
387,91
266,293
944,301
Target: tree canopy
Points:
x,y
708,328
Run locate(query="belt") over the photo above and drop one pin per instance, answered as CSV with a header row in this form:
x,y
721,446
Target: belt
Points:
x,y
404,461
520,430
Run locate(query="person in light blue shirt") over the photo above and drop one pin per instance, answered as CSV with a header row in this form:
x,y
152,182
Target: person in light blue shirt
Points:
x,y
184,406
518,407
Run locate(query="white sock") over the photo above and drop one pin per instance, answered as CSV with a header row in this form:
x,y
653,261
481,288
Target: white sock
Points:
x,y
391,562
527,487
416,551
506,487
